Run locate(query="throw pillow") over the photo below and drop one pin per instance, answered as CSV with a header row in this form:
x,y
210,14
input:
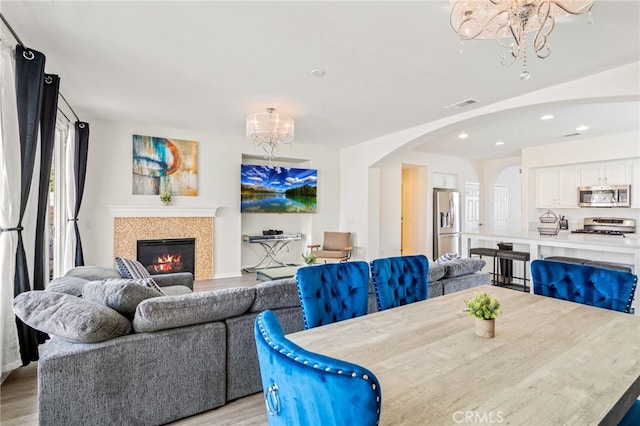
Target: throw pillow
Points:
x,y
465,266
67,285
122,295
93,273
69,317
135,270
132,269
161,313
446,257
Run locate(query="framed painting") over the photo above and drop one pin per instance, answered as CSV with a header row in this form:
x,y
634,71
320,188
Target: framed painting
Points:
x,y
164,166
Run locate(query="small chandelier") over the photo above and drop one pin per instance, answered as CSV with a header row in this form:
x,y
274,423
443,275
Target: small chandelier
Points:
x,y
269,130
512,20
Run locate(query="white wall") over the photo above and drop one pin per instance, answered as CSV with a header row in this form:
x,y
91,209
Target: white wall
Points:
x,y
109,182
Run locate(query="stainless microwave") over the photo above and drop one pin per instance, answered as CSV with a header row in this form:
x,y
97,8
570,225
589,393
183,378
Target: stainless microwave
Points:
x,y
604,196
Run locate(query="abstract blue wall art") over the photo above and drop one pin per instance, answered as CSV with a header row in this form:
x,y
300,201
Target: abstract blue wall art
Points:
x,y
162,165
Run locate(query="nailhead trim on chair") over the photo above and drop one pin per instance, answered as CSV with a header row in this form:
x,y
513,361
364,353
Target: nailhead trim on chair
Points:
x,y
327,368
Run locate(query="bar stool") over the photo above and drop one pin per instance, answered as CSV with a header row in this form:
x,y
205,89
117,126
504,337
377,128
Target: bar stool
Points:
x,y
489,252
521,256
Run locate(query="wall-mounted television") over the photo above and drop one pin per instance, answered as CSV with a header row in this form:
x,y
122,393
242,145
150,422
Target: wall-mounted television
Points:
x,y
273,189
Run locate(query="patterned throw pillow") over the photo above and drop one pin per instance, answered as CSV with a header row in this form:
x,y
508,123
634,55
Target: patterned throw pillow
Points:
x,y
134,270
447,257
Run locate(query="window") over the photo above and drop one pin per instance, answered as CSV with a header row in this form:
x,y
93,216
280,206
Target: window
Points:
x,y
57,213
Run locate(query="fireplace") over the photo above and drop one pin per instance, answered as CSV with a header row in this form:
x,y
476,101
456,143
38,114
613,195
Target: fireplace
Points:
x,y
165,256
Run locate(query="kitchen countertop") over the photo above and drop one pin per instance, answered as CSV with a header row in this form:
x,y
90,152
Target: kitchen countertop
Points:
x,y
612,248
614,243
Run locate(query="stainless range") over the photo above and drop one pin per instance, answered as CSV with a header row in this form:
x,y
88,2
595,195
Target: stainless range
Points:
x,y
607,226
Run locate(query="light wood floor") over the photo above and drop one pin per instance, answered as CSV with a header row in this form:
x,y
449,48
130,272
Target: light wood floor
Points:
x,y
19,399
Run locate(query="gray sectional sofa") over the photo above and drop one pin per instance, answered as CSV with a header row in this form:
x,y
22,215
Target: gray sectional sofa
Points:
x,y
188,354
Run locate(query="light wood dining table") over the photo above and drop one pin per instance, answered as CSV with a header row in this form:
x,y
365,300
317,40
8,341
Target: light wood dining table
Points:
x,y
552,362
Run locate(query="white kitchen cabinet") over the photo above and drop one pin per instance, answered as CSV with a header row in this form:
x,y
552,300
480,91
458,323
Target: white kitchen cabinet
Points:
x,y
444,180
635,183
606,173
557,187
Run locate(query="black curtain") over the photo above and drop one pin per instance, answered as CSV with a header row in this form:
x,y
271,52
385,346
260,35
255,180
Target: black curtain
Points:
x,y
29,86
47,139
80,172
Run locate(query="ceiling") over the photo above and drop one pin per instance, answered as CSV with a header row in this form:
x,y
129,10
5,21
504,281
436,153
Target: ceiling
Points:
x,y
389,65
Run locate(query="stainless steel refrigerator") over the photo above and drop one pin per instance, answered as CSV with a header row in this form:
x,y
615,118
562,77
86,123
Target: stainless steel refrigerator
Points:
x,y
446,223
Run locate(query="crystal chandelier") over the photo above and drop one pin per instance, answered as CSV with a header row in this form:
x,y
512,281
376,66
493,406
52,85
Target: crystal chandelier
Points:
x,y
509,21
269,130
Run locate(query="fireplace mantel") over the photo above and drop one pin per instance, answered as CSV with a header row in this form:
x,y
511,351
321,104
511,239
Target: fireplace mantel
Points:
x,y
133,223
161,211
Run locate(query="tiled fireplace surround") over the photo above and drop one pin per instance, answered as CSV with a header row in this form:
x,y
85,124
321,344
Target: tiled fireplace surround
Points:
x,y
131,224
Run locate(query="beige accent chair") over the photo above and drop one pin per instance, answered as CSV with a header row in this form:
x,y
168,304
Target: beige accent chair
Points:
x,y
335,247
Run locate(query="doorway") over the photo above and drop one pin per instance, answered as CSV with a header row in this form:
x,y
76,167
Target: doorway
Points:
x,y
507,200
472,207
414,232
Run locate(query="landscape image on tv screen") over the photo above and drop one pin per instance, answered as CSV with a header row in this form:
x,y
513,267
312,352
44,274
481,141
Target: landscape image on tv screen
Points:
x,y
272,189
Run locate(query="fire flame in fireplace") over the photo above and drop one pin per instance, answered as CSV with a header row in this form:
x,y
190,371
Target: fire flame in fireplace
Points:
x,y
167,263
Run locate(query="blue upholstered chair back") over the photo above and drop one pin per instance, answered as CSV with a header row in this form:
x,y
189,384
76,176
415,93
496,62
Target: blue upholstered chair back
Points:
x,y
400,280
589,285
333,292
306,388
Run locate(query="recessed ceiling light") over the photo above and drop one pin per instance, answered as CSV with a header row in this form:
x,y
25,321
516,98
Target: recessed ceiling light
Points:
x,y
582,128
463,135
318,73
499,143
546,117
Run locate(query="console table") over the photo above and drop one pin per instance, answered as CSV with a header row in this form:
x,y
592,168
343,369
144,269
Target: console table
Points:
x,y
272,245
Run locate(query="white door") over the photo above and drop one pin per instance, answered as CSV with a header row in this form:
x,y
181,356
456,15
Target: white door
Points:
x,y
500,208
472,207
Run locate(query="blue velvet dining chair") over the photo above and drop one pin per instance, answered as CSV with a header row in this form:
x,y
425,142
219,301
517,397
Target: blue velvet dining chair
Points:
x,y
632,418
333,292
589,285
305,388
400,280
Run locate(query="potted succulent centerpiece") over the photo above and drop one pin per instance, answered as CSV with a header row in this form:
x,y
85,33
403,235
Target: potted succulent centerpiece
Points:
x,y
165,197
309,259
485,309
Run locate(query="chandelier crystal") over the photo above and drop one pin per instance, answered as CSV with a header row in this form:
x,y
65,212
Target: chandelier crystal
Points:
x,y
509,21
269,130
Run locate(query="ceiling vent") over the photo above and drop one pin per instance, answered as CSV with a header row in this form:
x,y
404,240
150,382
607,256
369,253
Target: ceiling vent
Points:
x,y
572,134
461,104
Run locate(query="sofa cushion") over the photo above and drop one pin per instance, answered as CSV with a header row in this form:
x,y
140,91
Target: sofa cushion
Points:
x,y
457,267
69,317
165,312
436,271
68,285
276,294
133,269
93,273
184,279
176,290
122,295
